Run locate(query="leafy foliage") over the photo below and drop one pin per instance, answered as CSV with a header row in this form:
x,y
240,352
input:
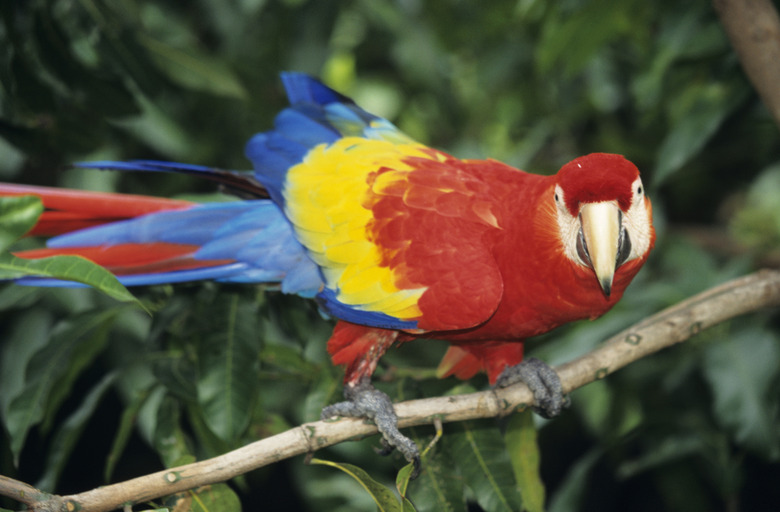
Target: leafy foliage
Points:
x,y
96,391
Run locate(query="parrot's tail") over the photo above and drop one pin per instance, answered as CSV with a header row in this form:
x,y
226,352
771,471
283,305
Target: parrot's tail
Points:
x,y
239,183
145,240
70,210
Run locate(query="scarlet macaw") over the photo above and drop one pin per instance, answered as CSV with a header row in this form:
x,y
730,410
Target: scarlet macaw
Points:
x,y
396,240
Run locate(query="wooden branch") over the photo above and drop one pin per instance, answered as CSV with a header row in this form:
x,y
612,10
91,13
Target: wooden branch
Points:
x,y
670,326
753,26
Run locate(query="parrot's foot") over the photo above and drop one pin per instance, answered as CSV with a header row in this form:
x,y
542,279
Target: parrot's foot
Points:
x,y
365,401
543,382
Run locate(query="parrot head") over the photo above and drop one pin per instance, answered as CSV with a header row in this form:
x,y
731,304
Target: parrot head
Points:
x,y
604,216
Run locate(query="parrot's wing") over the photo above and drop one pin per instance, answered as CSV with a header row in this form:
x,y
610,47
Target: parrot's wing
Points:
x,y
398,230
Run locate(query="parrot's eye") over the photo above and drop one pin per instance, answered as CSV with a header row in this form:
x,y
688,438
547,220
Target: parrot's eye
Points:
x,y
639,190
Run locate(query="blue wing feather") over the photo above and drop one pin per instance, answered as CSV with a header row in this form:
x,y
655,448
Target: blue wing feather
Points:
x,y
317,115
330,304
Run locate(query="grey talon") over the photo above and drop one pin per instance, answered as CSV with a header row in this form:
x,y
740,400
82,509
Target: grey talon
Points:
x,y
543,382
364,400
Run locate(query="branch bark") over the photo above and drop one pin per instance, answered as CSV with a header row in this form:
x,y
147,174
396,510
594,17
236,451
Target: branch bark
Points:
x,y
672,325
753,26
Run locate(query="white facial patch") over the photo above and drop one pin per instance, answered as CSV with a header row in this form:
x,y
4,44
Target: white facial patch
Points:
x,y
636,222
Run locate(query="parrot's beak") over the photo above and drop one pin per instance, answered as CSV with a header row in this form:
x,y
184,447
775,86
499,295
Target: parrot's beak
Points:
x,y
601,240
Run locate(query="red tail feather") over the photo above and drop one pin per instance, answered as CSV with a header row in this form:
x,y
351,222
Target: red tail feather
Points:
x,y
127,259
69,210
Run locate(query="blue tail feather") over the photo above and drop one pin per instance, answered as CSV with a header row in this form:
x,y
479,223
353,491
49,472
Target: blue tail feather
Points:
x,y
254,234
242,182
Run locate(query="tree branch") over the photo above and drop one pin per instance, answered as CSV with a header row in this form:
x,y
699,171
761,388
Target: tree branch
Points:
x,y
753,26
670,326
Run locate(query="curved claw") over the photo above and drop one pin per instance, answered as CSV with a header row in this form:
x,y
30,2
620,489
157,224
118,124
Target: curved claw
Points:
x,y
365,401
543,382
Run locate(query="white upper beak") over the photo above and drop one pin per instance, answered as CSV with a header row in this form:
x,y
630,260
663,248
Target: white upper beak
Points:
x,y
601,234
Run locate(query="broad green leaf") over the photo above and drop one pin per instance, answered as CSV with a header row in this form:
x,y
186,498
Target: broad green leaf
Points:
x,y
194,69
215,498
521,442
18,297
209,498
67,268
741,371
481,456
126,425
288,359
51,372
30,333
90,332
677,30
702,109
435,490
569,493
178,374
570,43
757,222
228,367
664,452
169,437
18,214
68,435
385,499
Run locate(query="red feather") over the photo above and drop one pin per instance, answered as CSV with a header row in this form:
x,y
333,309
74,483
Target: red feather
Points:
x,y
70,210
128,259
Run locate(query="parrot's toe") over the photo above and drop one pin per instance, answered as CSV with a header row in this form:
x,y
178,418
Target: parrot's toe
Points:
x,y
543,382
365,401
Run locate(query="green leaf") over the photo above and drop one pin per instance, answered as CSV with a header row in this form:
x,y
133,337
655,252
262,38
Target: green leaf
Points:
x,y
169,437
699,113
521,442
227,384
18,215
194,69
568,495
67,268
757,222
30,332
209,498
569,44
52,371
480,454
126,425
215,498
436,489
385,499
68,435
741,371
663,453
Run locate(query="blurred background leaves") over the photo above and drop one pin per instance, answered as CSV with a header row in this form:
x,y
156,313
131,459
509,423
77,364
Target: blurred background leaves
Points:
x,y
96,391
